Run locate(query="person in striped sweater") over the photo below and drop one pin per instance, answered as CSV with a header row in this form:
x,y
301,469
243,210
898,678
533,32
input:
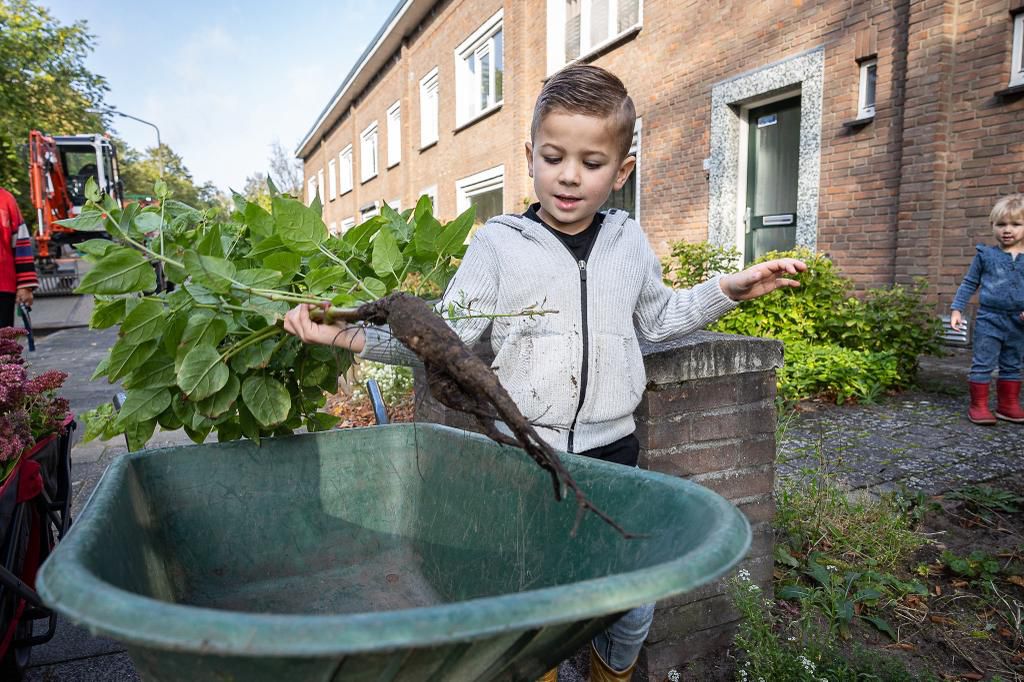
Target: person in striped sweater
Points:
x,y
17,266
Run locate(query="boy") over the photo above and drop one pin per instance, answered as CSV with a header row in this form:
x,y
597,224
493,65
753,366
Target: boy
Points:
x,y
999,327
577,375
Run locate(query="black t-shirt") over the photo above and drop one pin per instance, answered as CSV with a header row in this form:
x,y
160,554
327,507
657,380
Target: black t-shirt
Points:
x,y
579,244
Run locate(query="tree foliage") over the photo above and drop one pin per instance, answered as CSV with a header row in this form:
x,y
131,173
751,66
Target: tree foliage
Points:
x,y
45,86
141,170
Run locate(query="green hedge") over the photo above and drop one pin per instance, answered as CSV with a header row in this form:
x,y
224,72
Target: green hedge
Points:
x,y
838,345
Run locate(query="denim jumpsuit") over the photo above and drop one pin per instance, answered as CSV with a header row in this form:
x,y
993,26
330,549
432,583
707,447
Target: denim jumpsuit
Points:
x,y
998,331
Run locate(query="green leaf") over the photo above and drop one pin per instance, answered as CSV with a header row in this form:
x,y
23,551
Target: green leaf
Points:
x,y
144,322
174,330
160,188
156,372
782,556
387,258
267,399
211,244
96,248
121,271
201,294
228,431
453,238
359,237
322,279
92,190
284,262
262,249
882,625
394,222
259,278
792,593
202,372
321,421
300,227
248,424
375,287
107,313
261,223
126,357
147,221
138,433
143,404
215,274
221,401
88,221
254,356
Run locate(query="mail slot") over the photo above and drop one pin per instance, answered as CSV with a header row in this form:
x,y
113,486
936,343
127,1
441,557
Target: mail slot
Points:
x,y
783,219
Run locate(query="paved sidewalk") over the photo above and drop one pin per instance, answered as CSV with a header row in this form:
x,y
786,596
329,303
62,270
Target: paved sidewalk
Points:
x,y
920,439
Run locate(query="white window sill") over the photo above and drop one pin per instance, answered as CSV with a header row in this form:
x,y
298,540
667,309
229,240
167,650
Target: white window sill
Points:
x,y
606,46
365,180
392,165
428,145
344,192
478,117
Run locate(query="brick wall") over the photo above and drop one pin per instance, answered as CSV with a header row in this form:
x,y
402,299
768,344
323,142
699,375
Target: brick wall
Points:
x,y
708,415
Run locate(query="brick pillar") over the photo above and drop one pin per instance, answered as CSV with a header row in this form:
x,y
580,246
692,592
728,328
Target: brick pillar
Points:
x,y
708,415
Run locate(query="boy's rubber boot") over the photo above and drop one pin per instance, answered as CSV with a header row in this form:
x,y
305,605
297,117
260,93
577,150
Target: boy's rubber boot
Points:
x,y
978,412
1008,400
549,676
602,672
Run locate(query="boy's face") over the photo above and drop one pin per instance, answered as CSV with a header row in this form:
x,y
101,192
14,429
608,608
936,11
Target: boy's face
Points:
x,y
1009,233
575,163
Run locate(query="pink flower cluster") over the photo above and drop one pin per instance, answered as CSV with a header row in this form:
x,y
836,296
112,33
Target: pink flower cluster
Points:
x,y
29,408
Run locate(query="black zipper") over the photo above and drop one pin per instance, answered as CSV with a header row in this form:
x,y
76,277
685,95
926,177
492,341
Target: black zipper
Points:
x,y
582,265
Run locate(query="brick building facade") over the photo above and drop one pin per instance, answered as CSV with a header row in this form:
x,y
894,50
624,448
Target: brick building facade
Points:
x,y
894,191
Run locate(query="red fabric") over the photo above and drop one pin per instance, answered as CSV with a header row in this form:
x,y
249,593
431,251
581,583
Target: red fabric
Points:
x,y
30,483
16,263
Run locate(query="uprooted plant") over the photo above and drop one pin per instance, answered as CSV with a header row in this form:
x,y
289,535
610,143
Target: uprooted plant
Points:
x,y
212,353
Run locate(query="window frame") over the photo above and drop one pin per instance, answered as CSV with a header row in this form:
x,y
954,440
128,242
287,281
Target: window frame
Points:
x,y
556,32
865,111
347,224
320,184
394,123
310,189
1017,49
430,96
332,180
479,183
366,213
369,139
468,84
431,192
345,161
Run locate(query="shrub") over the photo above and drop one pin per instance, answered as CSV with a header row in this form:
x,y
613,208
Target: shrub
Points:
x,y
836,344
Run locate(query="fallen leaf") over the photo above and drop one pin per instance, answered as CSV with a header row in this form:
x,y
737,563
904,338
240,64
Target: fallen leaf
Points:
x,y
959,584
941,620
973,676
1016,580
905,646
937,590
1005,632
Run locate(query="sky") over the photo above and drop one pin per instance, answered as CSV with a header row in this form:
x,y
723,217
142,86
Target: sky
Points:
x,y
222,80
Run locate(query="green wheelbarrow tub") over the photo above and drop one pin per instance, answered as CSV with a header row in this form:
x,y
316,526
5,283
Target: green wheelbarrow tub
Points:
x,y
404,552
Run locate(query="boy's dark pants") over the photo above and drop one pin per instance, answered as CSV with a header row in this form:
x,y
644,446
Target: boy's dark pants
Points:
x,y
998,341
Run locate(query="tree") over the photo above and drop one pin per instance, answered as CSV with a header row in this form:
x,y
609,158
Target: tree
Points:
x,y
140,170
45,86
285,170
257,191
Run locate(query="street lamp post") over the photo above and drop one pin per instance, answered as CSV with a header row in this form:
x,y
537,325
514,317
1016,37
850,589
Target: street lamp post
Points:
x,y
159,146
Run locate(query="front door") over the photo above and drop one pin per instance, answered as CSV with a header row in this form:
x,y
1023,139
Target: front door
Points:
x,y
773,160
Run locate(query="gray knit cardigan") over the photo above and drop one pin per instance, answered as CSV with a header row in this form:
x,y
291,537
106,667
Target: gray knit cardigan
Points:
x,y
514,263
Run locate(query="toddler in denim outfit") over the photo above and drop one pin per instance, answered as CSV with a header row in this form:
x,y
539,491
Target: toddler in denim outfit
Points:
x,y
999,329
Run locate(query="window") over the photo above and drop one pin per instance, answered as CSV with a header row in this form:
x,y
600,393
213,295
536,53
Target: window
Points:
x,y
396,205
479,68
483,191
1017,63
346,169
332,229
394,134
868,82
369,210
310,190
577,28
332,180
428,109
320,183
347,224
628,198
368,152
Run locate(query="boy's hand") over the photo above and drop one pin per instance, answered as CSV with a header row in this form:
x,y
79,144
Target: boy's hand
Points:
x,y
956,319
761,279
298,322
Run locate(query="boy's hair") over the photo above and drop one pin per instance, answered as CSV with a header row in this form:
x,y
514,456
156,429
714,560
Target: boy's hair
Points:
x,y
591,91
1010,207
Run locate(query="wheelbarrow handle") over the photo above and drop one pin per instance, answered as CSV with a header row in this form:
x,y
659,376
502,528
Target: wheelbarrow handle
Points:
x,y
380,411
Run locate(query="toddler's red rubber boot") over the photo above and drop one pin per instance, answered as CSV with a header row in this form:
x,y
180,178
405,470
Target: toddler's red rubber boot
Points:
x,y
978,412
1008,400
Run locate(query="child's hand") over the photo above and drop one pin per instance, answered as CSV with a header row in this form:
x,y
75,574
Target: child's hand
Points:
x,y
298,322
956,318
761,279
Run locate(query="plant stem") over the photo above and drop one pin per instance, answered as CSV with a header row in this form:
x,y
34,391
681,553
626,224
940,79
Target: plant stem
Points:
x,y
327,252
258,337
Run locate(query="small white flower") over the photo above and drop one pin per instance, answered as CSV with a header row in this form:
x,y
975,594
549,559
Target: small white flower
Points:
x,y
792,638
832,568
807,664
743,675
673,675
744,575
